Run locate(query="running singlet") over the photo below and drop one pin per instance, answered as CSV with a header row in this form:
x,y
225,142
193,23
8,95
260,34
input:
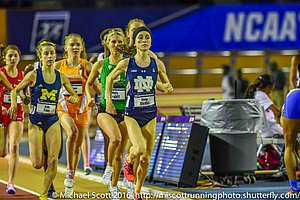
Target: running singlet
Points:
x,y
141,87
5,97
44,96
78,84
118,92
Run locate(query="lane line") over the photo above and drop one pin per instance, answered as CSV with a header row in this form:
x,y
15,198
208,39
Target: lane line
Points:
x,y
21,188
97,178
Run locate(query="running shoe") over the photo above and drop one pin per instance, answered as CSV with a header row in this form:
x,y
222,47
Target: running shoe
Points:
x,y
129,191
136,196
52,192
128,171
106,179
43,197
10,189
69,183
292,191
126,183
88,170
114,192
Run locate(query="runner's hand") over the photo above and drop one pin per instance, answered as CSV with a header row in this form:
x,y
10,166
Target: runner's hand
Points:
x,y
168,88
74,98
91,102
4,110
12,111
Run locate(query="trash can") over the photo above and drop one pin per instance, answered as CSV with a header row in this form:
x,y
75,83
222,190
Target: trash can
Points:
x,y
233,126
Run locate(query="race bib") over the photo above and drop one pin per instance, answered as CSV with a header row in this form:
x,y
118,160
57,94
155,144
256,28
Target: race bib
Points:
x,y
144,101
118,94
7,99
44,108
77,87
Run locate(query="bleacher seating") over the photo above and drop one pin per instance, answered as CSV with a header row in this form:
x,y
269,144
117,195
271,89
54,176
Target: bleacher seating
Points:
x,y
192,110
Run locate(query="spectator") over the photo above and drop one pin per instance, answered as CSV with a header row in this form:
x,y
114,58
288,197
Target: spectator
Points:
x,y
242,84
279,79
227,83
260,90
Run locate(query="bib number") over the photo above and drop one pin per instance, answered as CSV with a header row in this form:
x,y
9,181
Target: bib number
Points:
x,y
7,99
144,101
77,88
42,108
118,94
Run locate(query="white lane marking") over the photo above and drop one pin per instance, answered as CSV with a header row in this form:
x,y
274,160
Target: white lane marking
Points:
x,y
20,188
97,178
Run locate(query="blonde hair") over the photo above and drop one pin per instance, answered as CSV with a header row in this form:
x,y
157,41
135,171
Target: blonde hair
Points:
x,y
127,48
131,22
68,37
41,44
113,31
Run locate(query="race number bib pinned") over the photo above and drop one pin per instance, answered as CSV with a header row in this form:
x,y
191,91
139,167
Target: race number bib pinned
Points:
x,y
77,86
46,108
144,101
7,98
118,94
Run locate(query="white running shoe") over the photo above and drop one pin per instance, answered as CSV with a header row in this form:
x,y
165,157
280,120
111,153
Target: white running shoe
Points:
x,y
129,191
69,183
69,192
114,192
127,183
106,179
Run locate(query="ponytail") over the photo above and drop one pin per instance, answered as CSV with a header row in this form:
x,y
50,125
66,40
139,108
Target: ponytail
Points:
x,y
250,91
261,82
129,51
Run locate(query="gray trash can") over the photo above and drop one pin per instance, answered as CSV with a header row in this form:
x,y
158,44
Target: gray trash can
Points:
x,y
233,126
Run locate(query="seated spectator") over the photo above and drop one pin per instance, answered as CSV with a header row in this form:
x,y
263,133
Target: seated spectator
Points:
x,y
260,91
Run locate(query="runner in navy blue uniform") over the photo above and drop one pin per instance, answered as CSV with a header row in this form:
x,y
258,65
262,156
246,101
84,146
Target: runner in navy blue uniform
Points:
x,y
44,126
142,72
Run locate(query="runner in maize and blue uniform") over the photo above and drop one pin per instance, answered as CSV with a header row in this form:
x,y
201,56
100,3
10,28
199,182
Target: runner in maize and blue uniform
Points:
x,y
140,112
44,127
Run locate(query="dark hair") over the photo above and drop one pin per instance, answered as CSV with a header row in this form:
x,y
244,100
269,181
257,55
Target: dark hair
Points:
x,y
261,82
9,47
136,32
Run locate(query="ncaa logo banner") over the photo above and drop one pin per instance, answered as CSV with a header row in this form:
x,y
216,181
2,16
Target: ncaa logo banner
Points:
x,y
53,26
232,27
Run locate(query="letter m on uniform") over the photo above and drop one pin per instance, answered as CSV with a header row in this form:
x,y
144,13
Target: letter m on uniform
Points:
x,y
46,95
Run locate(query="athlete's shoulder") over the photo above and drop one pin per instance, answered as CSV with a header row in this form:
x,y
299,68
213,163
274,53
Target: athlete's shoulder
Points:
x,y
152,54
58,64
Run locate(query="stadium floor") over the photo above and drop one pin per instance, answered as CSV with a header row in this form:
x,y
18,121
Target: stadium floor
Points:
x,y
29,182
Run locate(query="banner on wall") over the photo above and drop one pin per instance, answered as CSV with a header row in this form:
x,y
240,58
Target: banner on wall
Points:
x,y
53,26
232,27
212,28
26,28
